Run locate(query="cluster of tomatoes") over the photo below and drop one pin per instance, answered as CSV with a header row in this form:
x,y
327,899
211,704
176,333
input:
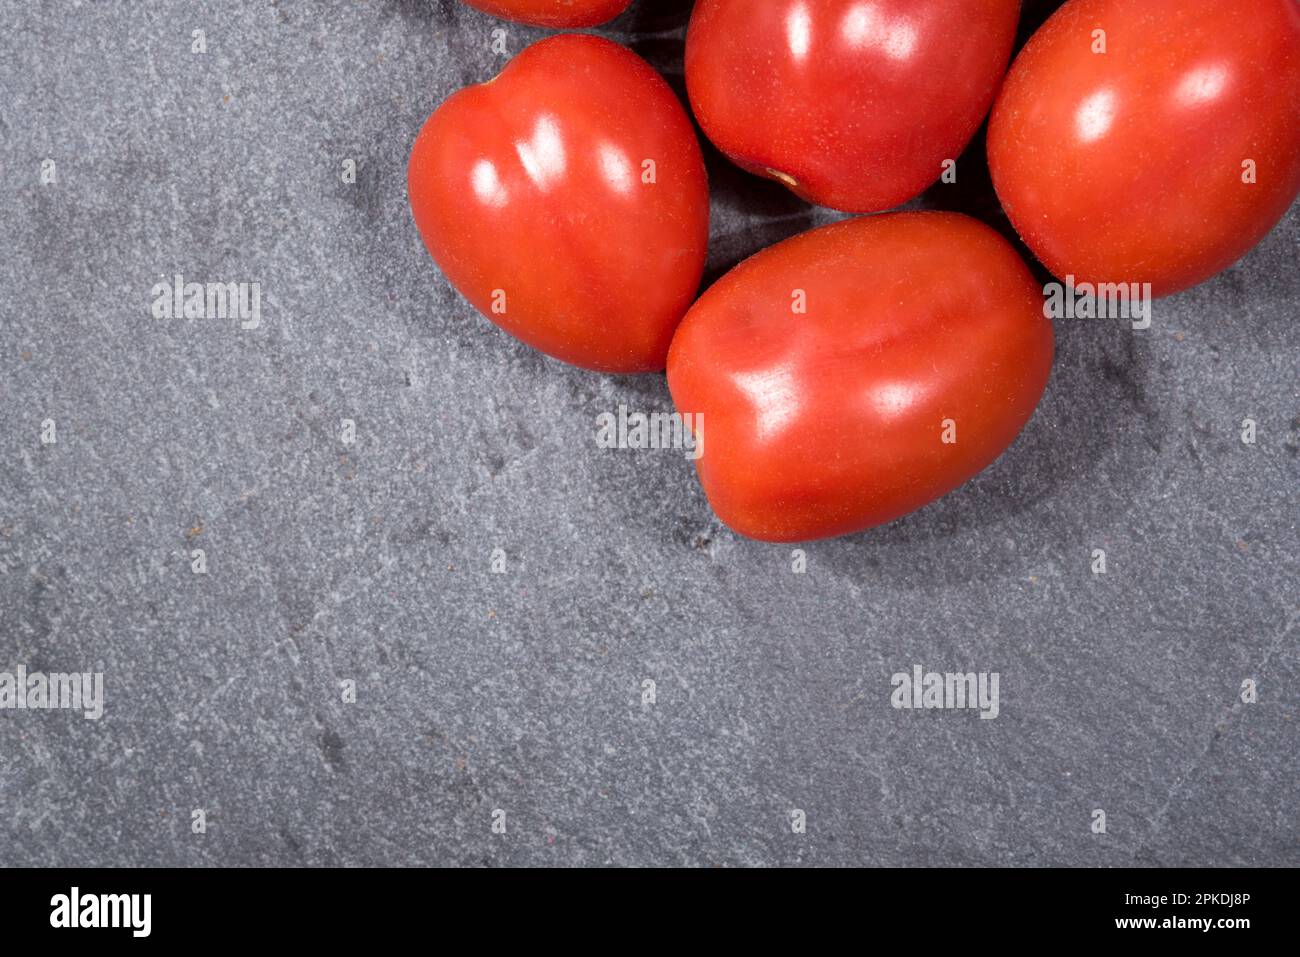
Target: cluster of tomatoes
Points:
x,y
853,373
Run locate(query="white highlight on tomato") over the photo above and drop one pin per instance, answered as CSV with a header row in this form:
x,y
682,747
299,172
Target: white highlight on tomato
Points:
x,y
615,169
543,156
1095,116
798,31
487,184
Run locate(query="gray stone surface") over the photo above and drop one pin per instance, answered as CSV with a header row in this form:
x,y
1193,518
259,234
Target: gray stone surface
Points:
x,y
522,691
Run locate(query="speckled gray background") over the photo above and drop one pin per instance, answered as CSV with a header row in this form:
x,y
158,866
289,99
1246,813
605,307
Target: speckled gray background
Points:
x,y
523,691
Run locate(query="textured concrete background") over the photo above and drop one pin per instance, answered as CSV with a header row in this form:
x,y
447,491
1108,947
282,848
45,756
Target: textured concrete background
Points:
x,y
522,691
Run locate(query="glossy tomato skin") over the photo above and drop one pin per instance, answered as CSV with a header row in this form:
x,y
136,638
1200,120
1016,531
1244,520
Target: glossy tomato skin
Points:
x,y
567,201
830,421
557,14
1127,166
853,105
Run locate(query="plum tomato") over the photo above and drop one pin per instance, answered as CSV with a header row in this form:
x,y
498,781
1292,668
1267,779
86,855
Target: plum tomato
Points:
x,y
853,104
851,374
567,201
565,14
1150,141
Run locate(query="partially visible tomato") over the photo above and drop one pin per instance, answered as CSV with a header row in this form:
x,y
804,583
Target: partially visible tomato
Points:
x,y
1150,140
853,104
567,201
553,13
856,372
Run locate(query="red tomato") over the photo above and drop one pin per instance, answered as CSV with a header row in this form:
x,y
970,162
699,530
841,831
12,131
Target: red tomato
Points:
x,y
922,353
567,201
553,13
1134,164
853,104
